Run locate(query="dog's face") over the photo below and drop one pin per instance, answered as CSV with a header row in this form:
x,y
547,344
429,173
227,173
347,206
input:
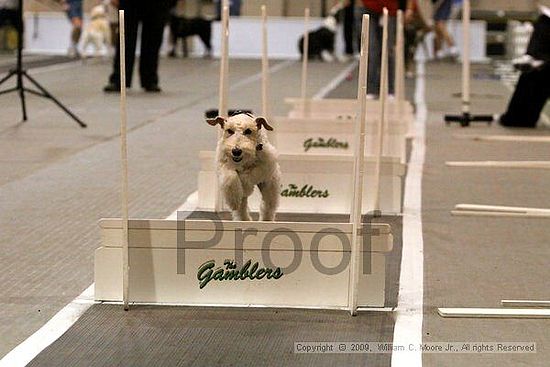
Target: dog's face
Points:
x,y
242,138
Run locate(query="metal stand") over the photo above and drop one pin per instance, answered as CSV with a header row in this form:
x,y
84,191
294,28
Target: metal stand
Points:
x,y
466,118
20,74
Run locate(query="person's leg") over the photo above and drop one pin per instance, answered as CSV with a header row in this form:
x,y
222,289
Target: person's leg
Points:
x,y
539,44
447,38
74,13
531,93
438,38
442,35
538,49
131,27
153,22
114,34
349,26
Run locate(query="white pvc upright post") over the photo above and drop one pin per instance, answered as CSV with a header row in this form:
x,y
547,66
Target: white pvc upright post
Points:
x,y
382,120
305,57
124,166
222,105
466,57
359,168
400,60
265,65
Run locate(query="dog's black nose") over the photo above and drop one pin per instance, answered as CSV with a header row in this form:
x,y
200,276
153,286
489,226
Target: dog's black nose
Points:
x,y
236,152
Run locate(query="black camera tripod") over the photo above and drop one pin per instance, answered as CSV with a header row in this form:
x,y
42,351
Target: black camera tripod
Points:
x,y
20,74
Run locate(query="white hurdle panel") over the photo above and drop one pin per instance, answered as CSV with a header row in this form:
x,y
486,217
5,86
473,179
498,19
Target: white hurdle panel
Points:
x,y
156,247
318,184
335,137
398,112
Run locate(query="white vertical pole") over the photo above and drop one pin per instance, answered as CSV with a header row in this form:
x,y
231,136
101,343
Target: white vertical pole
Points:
x,y
124,161
222,105
382,120
359,168
399,59
466,56
305,56
265,65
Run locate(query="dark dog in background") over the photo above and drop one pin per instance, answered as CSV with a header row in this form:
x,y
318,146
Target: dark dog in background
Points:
x,y
181,27
321,40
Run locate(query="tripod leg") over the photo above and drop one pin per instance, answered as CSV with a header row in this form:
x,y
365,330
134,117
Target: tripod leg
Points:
x,y
59,104
10,74
23,105
22,95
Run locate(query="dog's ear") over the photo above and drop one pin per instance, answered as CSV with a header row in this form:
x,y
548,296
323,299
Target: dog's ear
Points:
x,y
215,121
261,121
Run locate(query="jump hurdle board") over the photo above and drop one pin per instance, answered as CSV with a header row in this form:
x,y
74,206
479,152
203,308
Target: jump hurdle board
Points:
x,y
165,269
399,112
317,184
335,137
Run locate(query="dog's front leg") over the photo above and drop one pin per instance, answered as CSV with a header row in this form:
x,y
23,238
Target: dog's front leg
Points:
x,y
233,192
270,199
243,210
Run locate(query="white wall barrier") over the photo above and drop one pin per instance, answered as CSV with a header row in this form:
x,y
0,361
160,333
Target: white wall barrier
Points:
x,y
298,264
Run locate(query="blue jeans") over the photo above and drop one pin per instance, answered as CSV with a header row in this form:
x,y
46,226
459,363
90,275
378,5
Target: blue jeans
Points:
x,y
375,49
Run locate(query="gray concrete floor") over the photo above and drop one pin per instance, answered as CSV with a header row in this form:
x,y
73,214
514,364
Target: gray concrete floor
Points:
x,y
57,180
476,262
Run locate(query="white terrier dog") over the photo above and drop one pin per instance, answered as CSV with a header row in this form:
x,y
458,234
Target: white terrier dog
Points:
x,y
246,159
98,32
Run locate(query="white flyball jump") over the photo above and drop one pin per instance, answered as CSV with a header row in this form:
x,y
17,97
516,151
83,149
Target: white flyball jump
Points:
x,y
316,158
199,261
326,126
466,117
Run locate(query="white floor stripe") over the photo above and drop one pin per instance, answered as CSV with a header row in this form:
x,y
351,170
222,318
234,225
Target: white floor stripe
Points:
x,y
64,319
50,332
408,323
323,92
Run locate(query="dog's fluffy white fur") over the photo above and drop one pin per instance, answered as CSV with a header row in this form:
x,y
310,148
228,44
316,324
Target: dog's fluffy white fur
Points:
x,y
245,159
98,32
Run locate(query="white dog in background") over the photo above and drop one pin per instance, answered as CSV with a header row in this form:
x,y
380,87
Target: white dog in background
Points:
x,y
245,159
98,32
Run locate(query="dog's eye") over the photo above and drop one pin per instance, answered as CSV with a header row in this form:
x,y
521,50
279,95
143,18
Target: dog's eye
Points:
x,y
230,132
247,132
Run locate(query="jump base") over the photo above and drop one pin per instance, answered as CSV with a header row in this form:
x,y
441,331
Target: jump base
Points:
x,y
465,119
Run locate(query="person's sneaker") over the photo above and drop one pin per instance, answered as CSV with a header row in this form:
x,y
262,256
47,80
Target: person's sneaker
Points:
x,y
439,55
111,88
527,63
152,89
453,52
